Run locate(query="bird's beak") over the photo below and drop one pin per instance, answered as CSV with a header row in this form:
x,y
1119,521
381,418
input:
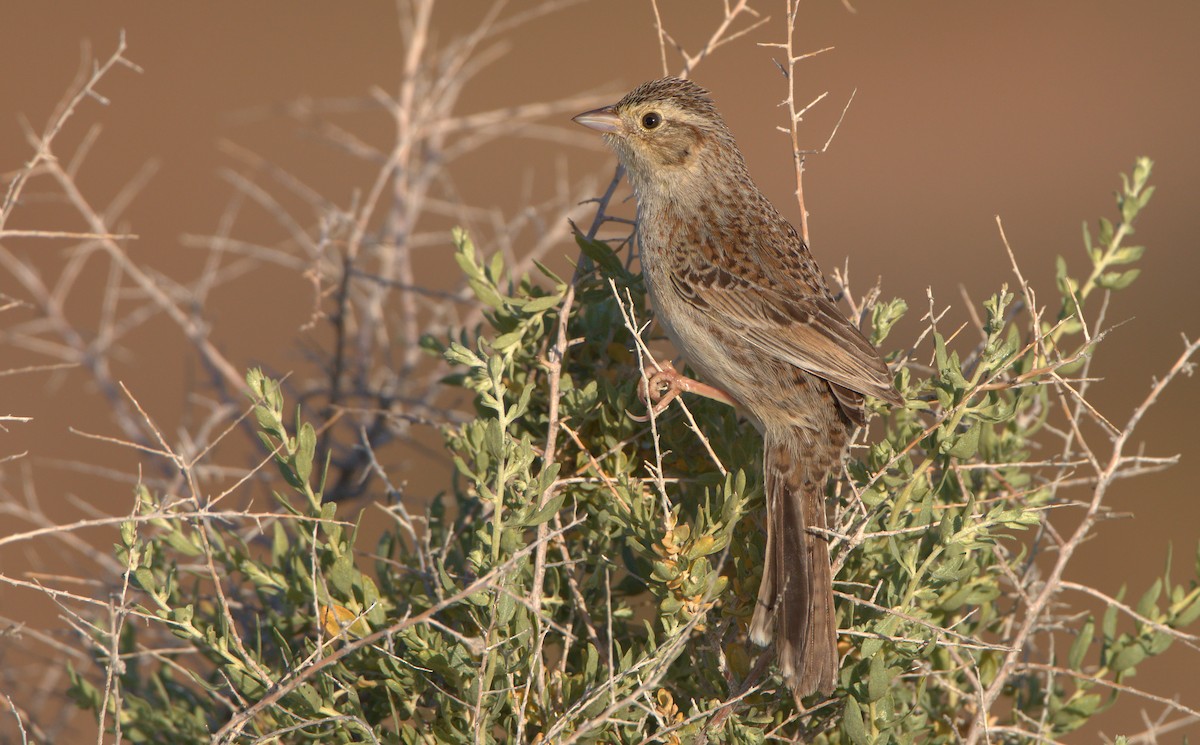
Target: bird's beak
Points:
x,y
602,120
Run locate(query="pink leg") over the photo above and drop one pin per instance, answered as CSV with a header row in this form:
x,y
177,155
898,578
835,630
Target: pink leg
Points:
x,y
664,385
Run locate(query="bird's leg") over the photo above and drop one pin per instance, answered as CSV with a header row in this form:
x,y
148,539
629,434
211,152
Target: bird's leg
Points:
x,y
666,383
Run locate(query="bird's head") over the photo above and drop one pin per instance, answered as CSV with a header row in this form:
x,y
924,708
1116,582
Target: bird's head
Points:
x,y
666,133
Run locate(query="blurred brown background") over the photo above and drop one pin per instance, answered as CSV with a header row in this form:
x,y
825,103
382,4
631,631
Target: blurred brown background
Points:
x,y
964,111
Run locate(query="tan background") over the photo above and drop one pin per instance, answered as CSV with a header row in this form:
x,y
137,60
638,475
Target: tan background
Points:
x,y
964,111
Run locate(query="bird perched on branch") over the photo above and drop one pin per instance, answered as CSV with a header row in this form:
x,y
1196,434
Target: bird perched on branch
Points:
x,y
741,297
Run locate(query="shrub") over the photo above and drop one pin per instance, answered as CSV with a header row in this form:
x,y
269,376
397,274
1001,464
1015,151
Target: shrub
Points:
x,y
591,577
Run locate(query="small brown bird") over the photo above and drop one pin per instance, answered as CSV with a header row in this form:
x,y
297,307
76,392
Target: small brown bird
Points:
x,y
739,294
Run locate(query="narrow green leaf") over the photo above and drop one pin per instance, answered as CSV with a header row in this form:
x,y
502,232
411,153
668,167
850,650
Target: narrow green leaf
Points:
x,y
548,510
1117,280
506,607
870,647
145,579
1093,251
1188,615
1128,658
1159,642
1108,626
879,679
1148,604
177,540
591,663
1079,647
496,268
966,444
599,252
486,293
1126,254
128,533
342,575
183,616
552,275
539,304
505,342
306,446
852,723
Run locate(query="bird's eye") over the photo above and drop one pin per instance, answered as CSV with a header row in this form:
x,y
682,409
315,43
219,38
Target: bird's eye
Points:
x,y
651,120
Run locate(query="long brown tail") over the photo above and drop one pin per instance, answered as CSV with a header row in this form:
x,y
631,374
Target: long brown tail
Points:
x,y
796,595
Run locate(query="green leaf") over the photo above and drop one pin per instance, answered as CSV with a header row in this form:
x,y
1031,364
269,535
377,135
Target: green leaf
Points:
x,y
879,680
506,607
128,533
852,723
1128,658
484,290
1159,642
552,275
591,663
342,575
599,252
1117,280
1068,286
966,444
1108,626
548,510
1081,708
870,647
457,354
1145,197
949,366
1079,647
183,615
180,542
505,342
279,543
306,696
539,304
1093,251
1126,255
1149,601
1188,614
306,446
496,268
884,316
145,579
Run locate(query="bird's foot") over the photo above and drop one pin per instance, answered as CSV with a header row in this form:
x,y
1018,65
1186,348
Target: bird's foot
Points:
x,y
665,384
